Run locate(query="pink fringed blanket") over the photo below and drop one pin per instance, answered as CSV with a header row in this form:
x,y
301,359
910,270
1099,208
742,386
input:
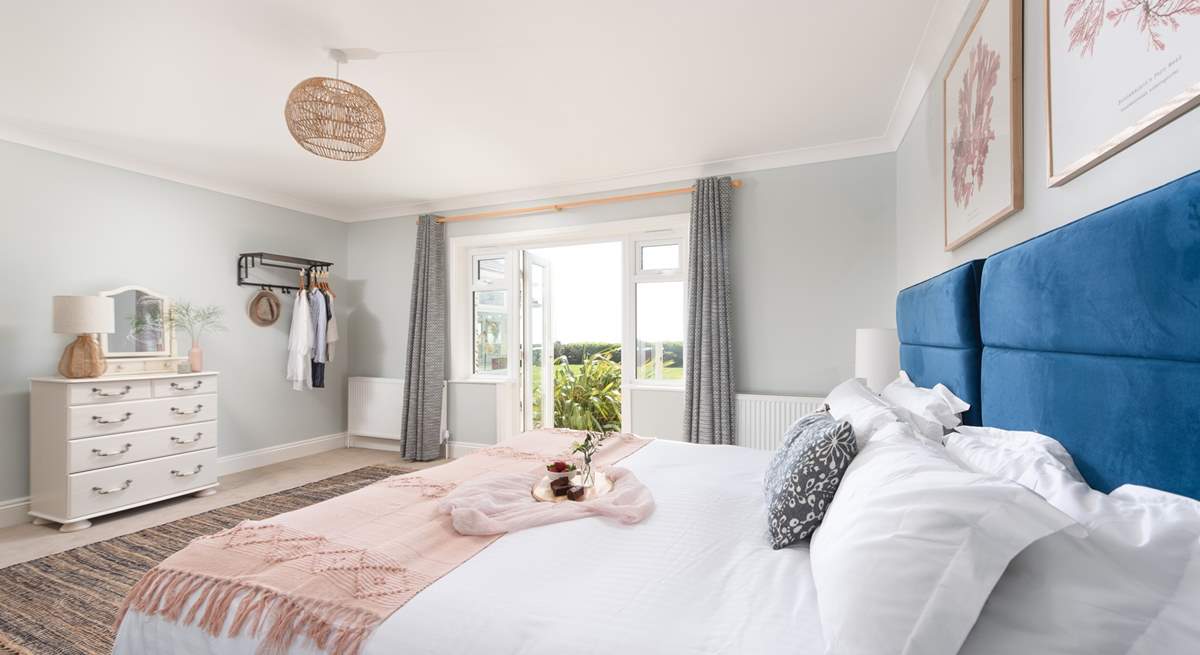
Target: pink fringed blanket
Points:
x,y
495,504
332,572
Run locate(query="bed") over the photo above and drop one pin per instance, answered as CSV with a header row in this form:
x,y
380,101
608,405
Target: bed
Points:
x,y
1090,333
689,570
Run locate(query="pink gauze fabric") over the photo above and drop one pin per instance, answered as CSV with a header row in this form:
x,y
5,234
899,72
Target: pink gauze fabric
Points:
x,y
503,502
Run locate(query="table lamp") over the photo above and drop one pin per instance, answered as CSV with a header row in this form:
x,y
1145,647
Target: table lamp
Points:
x,y
876,356
84,316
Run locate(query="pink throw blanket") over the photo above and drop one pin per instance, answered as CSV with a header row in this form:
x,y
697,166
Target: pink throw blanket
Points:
x,y
333,571
495,504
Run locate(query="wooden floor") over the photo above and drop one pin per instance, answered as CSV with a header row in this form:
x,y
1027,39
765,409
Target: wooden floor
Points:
x,y
25,542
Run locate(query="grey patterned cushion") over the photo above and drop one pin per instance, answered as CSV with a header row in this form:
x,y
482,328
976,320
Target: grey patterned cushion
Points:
x,y
804,474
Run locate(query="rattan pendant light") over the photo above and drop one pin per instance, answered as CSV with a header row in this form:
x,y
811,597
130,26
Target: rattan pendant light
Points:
x,y
335,119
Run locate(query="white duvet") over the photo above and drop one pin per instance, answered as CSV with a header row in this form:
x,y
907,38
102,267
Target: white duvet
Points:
x,y
698,576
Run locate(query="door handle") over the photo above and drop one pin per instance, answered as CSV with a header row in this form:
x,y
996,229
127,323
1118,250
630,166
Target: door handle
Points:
x,y
183,474
105,492
176,386
112,453
106,394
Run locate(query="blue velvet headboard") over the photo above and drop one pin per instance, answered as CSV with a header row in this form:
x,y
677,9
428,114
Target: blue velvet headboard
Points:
x,y
1091,335
938,325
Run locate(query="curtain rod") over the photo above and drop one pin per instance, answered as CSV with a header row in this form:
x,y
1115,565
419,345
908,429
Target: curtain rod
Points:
x,y
523,211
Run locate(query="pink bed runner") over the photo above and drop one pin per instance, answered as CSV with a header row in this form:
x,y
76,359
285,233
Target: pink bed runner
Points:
x,y
332,572
496,504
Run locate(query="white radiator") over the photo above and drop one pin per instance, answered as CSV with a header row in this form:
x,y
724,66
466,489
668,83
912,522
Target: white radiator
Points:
x,y
376,407
762,420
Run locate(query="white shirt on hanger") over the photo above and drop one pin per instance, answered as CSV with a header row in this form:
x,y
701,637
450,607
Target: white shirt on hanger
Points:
x,y
300,344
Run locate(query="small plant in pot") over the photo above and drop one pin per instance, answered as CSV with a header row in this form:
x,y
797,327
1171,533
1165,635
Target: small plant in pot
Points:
x,y
196,320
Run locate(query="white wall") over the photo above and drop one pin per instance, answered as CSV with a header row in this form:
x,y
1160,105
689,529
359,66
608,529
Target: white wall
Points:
x,y
812,261
1171,152
68,226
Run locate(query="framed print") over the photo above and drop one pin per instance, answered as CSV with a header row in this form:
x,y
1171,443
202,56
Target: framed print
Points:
x,y
1116,70
982,137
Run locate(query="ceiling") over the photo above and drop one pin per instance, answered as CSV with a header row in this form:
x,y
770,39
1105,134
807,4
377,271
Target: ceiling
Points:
x,y
485,101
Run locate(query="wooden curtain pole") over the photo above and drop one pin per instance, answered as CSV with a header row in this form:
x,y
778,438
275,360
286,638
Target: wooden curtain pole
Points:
x,y
523,211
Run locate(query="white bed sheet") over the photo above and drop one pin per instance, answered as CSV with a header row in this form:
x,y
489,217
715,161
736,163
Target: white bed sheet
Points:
x,y
698,576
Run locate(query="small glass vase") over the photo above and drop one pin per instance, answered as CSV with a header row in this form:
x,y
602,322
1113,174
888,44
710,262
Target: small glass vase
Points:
x,y
586,477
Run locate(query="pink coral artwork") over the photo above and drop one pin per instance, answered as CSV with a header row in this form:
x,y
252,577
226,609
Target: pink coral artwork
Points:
x,y
982,124
1152,17
974,133
1116,71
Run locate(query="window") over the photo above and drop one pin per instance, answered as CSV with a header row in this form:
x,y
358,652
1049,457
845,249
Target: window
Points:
x,y
660,315
660,326
489,305
489,270
661,257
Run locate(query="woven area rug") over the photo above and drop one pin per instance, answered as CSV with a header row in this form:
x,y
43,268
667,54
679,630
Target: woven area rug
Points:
x,y
65,603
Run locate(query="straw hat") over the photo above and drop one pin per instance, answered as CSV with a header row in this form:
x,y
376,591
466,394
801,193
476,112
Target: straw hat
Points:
x,y
264,308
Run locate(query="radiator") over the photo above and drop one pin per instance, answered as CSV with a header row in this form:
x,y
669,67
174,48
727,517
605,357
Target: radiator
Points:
x,y
376,407
762,420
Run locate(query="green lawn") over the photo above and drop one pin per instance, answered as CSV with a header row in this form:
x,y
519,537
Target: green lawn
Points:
x,y
669,373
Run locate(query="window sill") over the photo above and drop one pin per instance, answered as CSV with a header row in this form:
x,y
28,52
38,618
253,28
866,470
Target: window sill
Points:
x,y
653,386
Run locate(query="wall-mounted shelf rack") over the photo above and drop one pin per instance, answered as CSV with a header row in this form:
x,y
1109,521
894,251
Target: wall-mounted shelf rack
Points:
x,y
249,260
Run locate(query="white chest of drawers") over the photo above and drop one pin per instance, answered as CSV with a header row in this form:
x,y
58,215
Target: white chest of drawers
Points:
x,y
101,445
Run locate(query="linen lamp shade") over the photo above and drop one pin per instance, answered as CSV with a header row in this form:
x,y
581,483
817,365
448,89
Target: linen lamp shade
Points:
x,y
84,315
876,356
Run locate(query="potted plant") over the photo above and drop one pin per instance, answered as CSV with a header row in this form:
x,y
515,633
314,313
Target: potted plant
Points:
x,y
196,320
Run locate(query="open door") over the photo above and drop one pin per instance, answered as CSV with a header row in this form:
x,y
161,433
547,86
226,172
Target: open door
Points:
x,y
537,346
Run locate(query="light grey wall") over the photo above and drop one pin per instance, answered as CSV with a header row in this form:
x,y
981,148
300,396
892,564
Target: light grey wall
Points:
x,y
69,227
657,413
813,259
1169,153
472,412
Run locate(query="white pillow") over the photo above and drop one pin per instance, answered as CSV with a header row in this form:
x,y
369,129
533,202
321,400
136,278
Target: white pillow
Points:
x,y
936,404
853,402
931,430
1130,587
1029,458
912,545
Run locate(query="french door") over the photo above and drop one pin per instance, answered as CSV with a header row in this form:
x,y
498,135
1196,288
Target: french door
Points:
x,y
537,352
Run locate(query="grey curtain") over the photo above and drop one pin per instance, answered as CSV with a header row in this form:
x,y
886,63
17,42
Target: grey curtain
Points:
x,y
426,361
709,399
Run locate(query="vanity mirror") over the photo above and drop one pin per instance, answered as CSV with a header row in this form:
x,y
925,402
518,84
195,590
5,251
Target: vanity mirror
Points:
x,y
143,340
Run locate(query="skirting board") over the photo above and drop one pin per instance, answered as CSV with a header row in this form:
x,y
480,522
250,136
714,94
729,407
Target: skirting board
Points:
x,y
15,511
274,454
461,448
456,448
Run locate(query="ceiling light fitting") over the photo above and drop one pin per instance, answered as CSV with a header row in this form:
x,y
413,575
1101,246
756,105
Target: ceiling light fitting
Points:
x,y
335,119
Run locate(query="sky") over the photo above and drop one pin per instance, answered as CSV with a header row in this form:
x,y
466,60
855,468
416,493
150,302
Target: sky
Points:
x,y
585,297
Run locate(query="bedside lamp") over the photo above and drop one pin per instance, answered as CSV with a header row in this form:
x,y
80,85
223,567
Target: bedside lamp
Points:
x,y
84,316
876,356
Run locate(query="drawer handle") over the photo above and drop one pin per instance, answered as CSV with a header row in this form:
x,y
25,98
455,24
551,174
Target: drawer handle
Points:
x,y
177,387
106,421
181,441
183,474
185,412
106,394
105,492
112,453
